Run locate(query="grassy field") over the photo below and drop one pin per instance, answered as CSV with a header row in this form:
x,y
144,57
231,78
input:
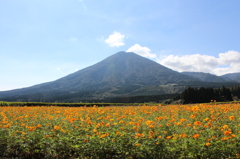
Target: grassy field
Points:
x,y
173,131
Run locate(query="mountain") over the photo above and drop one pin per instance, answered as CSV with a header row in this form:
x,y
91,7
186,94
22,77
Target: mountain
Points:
x,y
118,75
232,76
207,77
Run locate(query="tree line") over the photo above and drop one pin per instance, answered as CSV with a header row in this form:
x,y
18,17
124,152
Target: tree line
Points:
x,y
205,95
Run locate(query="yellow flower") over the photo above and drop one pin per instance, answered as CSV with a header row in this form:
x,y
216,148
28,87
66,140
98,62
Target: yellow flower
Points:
x,y
225,126
206,119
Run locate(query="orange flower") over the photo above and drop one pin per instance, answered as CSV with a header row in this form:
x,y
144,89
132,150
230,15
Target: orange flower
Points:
x,y
56,127
38,126
108,125
168,137
137,124
231,117
233,135
151,126
195,108
148,122
198,123
139,135
183,135
227,133
189,125
159,118
193,116
31,128
224,138
177,123
208,144
6,126
137,144
62,130
102,136
209,124
165,132
196,136
182,120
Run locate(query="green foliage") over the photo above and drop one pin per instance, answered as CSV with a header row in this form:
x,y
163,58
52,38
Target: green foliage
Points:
x,y
205,95
235,91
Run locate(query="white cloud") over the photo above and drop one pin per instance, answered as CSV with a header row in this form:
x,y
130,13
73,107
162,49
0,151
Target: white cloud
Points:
x,y
229,57
227,62
116,39
143,51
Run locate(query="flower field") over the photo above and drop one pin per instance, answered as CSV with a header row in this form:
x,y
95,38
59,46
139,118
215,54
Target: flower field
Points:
x,y
174,131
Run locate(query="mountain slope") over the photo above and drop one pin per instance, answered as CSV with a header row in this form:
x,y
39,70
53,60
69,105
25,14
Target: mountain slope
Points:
x,y
232,76
205,76
123,68
120,74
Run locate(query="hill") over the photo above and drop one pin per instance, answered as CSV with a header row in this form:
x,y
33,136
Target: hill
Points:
x,y
232,76
207,77
120,75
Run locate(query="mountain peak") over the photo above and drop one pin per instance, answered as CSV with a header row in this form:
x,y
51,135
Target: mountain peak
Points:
x,y
120,74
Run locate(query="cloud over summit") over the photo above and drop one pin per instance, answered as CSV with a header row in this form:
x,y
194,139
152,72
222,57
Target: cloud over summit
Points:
x,y
143,51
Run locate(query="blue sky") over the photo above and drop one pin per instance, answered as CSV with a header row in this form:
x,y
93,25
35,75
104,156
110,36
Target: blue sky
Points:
x,y
43,40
